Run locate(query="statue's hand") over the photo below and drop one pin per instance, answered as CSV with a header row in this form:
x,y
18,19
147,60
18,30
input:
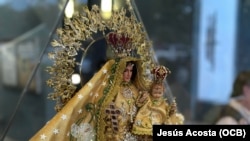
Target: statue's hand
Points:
x,y
173,108
144,96
142,99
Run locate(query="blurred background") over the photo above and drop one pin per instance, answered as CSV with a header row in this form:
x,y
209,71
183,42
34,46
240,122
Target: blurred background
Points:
x,y
205,44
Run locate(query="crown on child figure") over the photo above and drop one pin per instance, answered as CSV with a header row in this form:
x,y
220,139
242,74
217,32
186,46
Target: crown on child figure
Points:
x,y
160,73
120,44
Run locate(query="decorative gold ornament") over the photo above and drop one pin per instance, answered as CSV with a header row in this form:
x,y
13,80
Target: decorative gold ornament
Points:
x,y
83,27
121,45
160,73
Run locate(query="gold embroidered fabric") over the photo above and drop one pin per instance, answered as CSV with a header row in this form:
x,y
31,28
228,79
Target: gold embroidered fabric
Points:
x,y
85,116
155,113
105,108
149,115
78,111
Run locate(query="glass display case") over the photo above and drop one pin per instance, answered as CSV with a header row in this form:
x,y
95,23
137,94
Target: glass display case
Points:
x,y
203,43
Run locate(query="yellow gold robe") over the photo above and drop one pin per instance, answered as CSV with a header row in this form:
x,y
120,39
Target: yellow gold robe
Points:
x,y
154,113
85,117
148,115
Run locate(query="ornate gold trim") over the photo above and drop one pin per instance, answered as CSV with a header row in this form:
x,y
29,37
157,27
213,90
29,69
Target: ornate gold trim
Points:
x,y
83,27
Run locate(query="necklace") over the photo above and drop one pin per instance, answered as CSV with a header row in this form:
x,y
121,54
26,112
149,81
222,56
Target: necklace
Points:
x,y
127,93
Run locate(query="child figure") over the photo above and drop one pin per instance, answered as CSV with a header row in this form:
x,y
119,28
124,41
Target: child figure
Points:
x,y
156,111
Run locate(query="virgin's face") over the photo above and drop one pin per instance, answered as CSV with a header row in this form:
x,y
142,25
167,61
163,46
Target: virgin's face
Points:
x,y
127,74
157,91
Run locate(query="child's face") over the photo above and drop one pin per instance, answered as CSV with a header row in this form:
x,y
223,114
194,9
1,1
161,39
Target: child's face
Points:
x,y
157,90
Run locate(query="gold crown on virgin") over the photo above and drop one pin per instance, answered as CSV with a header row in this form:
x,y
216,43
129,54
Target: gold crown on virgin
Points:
x,y
121,44
160,73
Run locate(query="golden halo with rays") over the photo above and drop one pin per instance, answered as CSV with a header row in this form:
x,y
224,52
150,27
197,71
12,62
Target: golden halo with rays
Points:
x,y
80,28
